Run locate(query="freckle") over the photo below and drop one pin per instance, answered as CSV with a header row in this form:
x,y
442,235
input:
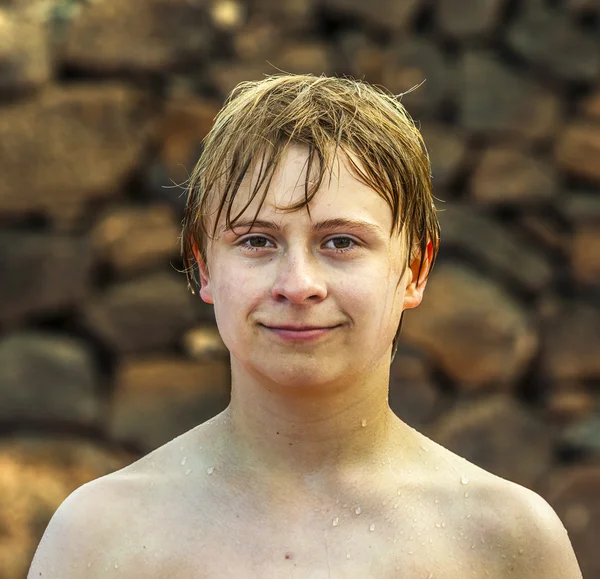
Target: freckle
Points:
x,y
288,555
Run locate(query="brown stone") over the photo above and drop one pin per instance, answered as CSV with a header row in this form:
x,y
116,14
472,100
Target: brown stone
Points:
x,y
132,239
258,39
411,62
585,254
48,378
578,149
412,395
591,106
25,59
573,493
41,273
497,100
204,344
472,329
583,7
571,342
304,58
389,14
490,432
462,19
507,175
137,35
85,140
550,40
360,57
566,405
146,313
225,76
491,244
227,15
38,474
447,149
544,229
158,399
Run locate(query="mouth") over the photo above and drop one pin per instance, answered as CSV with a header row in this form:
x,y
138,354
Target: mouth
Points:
x,y
301,334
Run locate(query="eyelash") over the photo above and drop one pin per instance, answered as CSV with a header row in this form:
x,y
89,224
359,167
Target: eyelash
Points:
x,y
242,243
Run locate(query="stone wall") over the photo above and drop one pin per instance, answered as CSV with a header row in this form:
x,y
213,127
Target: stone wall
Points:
x,y
104,355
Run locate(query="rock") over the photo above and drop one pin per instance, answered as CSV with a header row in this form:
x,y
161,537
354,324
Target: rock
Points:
x,y
158,399
583,435
85,139
259,38
490,432
138,35
412,395
465,20
414,61
548,39
578,149
388,14
41,273
591,106
569,404
472,329
25,59
146,313
185,122
585,255
507,175
545,229
227,15
447,149
360,57
493,245
304,58
204,344
132,239
498,100
225,76
573,493
38,474
47,378
571,342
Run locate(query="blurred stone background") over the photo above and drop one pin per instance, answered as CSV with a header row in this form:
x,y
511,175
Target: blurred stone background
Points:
x,y
104,355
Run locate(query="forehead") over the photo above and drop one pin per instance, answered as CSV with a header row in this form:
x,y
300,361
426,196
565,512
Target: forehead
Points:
x,y
340,197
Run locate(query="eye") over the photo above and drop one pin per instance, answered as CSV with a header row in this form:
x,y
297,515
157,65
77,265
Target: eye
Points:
x,y
245,243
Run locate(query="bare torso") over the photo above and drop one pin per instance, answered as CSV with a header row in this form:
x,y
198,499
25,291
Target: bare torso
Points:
x,y
173,517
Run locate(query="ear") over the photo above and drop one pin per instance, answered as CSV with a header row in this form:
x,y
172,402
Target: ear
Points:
x,y
416,287
206,286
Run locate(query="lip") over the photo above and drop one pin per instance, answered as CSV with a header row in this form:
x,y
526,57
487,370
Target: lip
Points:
x,y
301,335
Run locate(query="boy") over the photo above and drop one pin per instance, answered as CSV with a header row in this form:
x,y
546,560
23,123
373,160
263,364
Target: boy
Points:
x,y
307,474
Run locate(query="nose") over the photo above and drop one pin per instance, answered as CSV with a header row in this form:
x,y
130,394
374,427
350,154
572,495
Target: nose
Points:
x,y
299,278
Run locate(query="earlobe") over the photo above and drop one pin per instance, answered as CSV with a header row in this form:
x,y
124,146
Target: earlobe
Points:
x,y
206,287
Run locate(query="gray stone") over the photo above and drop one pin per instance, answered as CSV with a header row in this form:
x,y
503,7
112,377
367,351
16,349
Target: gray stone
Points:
x,y
142,314
447,149
480,236
549,39
464,19
388,14
42,273
48,378
578,149
497,100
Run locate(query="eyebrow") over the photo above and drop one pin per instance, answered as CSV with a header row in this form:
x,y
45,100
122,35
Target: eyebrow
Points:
x,y
338,222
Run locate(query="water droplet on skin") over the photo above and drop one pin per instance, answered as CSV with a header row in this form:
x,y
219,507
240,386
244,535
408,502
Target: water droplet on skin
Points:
x,y
363,422
437,467
396,506
336,521
188,471
181,448
347,555
89,564
520,551
464,480
438,525
116,566
210,470
357,510
466,495
443,525
399,492
424,448
372,527
183,460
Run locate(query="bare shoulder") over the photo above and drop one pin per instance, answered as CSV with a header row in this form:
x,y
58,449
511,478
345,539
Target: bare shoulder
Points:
x,y
532,532
78,535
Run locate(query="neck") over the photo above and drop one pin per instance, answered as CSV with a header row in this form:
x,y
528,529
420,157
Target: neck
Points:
x,y
322,433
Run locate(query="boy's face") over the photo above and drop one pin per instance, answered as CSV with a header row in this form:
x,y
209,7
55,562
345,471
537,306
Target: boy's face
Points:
x,y
293,275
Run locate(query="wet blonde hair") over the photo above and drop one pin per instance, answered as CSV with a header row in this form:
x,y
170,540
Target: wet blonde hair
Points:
x,y
260,119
